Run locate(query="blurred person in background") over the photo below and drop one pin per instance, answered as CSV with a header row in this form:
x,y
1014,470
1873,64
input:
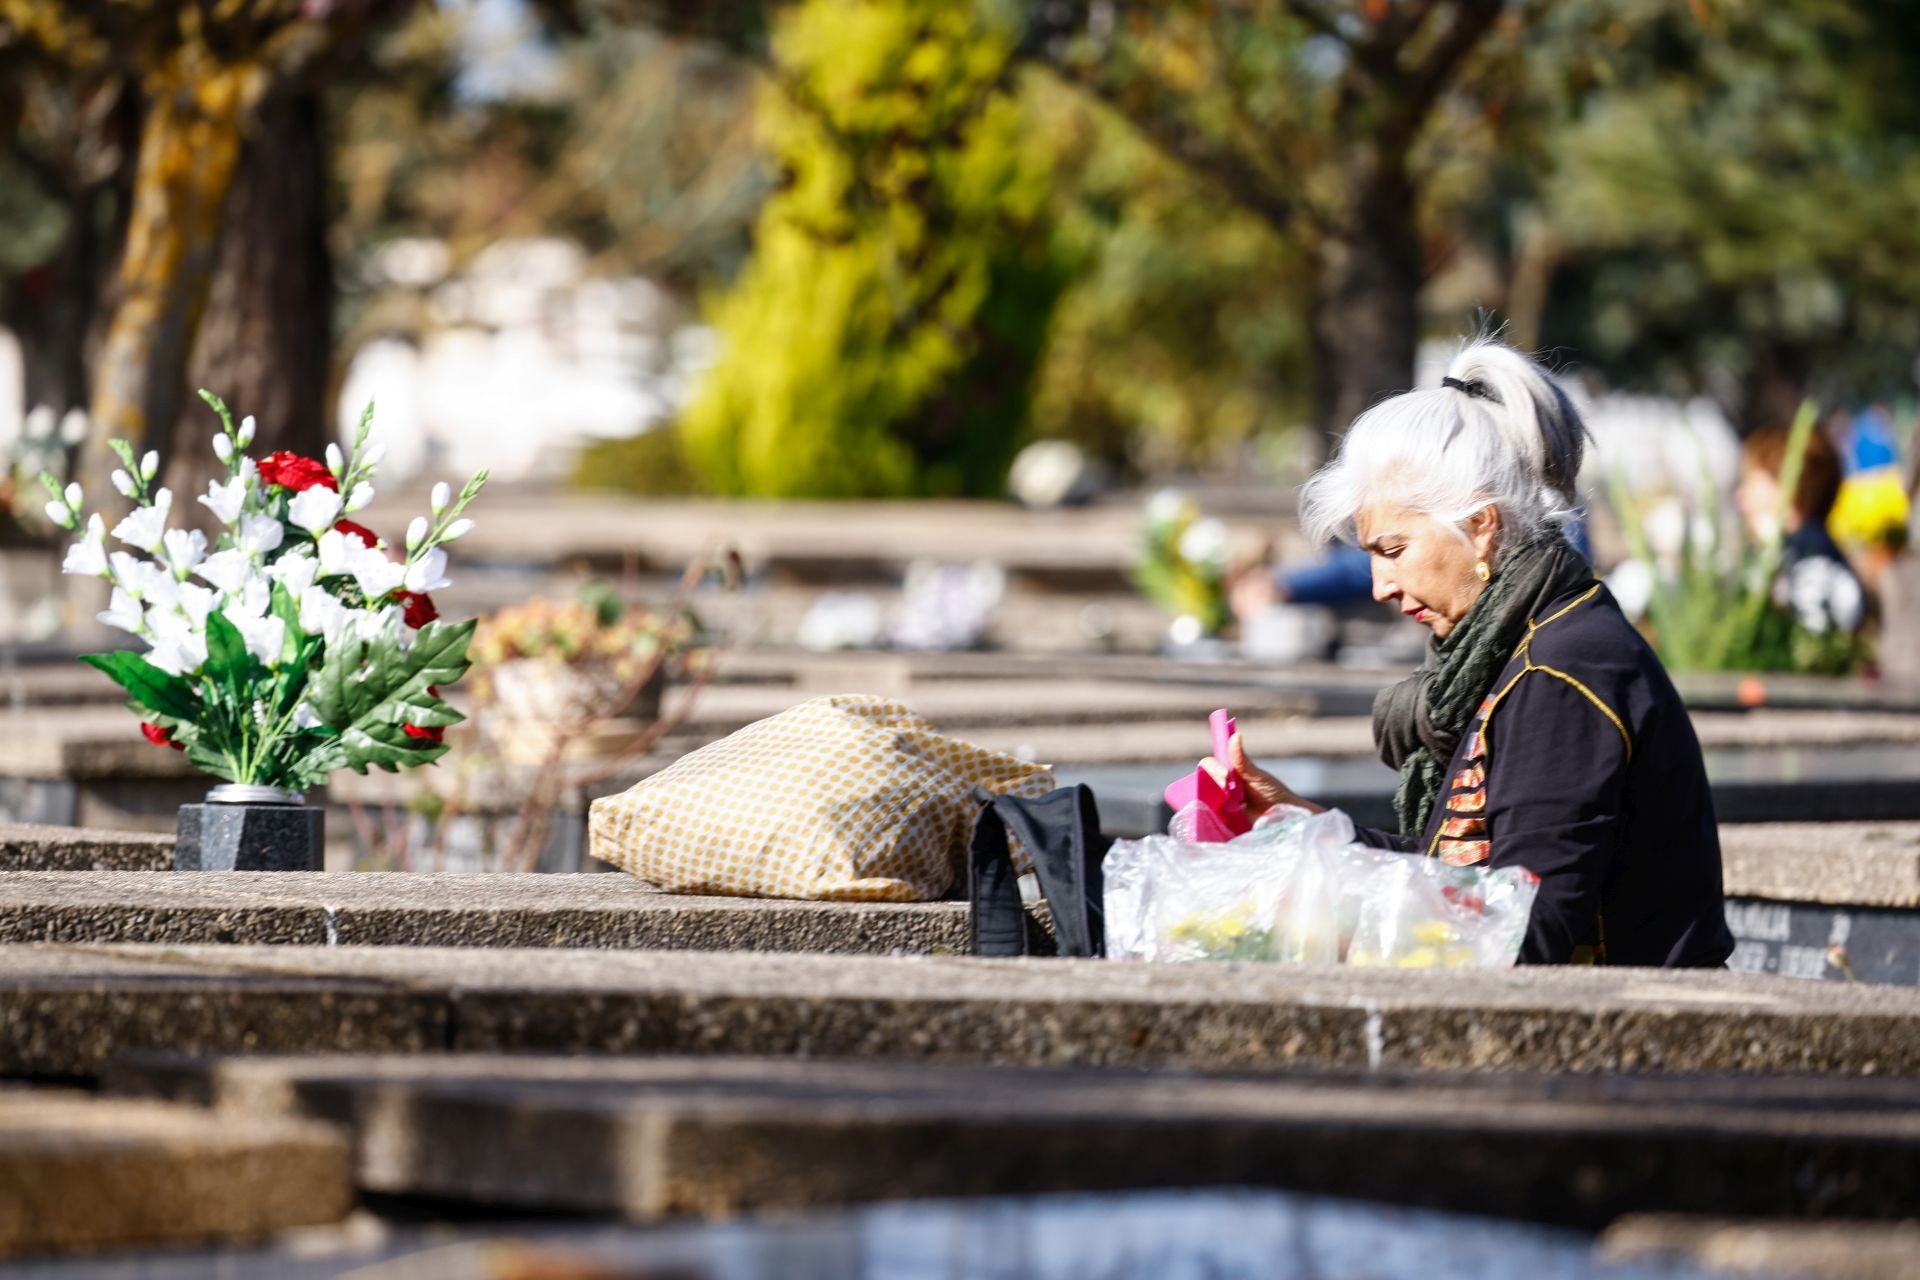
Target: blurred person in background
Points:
x,y
1814,580
1541,731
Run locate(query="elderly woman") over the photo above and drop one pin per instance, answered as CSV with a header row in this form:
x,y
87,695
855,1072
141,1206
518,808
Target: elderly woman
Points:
x,y
1541,731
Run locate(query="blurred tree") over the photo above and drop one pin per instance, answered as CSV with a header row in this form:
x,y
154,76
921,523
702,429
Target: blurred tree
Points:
x,y
207,77
1336,123
883,338
1730,200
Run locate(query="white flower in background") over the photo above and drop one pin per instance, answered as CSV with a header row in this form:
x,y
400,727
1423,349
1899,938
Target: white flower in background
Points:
x,y
222,449
357,500
304,718
322,613
145,527
58,513
245,434
75,496
336,461
124,483
89,555
373,456
254,598
1205,543
73,426
457,530
185,548
315,510
442,495
149,465
428,573
225,500
226,570
261,534
124,612
416,532
1165,507
376,575
197,603
295,572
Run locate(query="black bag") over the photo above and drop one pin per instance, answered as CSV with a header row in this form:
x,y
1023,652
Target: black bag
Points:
x,y
1061,830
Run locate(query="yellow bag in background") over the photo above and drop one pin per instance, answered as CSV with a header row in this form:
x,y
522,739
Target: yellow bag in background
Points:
x,y
850,798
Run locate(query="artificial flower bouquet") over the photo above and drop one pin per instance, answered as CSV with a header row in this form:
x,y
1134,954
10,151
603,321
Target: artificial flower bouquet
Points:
x,y
297,642
1182,566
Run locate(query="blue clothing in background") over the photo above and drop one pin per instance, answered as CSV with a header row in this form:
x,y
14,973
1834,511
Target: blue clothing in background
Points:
x,y
1345,576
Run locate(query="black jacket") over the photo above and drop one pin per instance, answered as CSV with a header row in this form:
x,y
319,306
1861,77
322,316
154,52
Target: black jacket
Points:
x,y
1582,766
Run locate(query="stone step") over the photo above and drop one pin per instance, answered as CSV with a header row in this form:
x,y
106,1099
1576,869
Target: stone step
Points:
x,y
66,1010
653,1138
89,1174
27,846
497,910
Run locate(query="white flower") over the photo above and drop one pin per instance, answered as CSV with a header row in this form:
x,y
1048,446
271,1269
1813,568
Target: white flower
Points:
x,y
416,532
294,572
373,456
1205,543
145,527
226,570
185,548
178,648
39,423
441,496
315,510
254,599
336,461
123,482
428,573
124,612
261,534
322,614
1165,507
58,513
222,447
89,555
304,717
362,494
377,575
371,624
264,635
337,550
149,465
127,571
225,500
457,530
196,603
75,497
244,436
73,426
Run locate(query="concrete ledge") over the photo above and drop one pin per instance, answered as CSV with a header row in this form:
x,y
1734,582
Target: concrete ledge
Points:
x,y
66,1010
1814,1250
395,909
659,1137
28,846
91,1174
1863,864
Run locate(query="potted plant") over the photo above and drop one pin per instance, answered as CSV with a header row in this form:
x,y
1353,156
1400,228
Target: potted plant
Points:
x,y
295,643
588,671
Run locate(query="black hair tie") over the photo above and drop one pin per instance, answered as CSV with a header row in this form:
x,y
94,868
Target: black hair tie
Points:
x,y
1476,389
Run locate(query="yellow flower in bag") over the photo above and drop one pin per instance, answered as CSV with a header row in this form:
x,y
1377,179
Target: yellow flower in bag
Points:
x,y
851,798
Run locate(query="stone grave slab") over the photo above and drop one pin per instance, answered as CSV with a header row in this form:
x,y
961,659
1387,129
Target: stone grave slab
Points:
x,y
39,847
88,1174
652,1138
66,1010
1840,1250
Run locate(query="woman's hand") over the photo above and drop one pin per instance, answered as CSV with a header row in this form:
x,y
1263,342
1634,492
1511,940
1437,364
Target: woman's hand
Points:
x,y
1261,789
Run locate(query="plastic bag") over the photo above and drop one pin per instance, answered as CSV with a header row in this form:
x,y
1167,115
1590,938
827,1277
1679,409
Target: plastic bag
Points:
x,y
1298,889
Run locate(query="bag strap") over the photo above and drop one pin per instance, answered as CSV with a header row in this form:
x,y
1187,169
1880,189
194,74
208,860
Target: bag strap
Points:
x,y
1061,831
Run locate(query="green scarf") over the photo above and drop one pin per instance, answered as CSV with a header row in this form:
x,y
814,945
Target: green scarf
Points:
x,y
1418,722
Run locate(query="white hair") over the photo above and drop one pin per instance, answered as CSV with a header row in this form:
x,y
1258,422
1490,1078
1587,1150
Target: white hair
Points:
x,y
1506,436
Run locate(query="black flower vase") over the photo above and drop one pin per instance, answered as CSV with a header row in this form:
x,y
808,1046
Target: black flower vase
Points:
x,y
250,828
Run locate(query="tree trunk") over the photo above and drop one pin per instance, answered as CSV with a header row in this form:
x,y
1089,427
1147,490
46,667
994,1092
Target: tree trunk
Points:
x,y
189,145
266,339
1366,313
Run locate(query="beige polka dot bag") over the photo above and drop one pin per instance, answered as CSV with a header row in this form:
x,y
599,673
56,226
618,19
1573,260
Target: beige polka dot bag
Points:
x,y
850,798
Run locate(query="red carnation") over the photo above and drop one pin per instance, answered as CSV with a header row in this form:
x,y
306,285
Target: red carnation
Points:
x,y
159,737
419,731
365,534
296,474
419,607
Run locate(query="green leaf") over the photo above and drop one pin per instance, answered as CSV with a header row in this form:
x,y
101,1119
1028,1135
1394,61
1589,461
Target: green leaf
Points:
x,y
154,690
366,692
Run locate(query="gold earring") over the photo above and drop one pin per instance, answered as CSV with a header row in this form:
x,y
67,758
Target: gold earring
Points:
x,y
1485,573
